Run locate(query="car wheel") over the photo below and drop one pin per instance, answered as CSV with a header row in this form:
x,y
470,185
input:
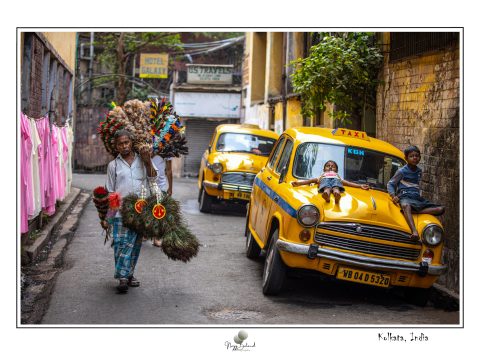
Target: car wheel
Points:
x,y
253,250
246,221
274,269
205,201
417,296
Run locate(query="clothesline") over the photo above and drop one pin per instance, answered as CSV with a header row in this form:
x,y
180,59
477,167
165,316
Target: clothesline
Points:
x,y
46,115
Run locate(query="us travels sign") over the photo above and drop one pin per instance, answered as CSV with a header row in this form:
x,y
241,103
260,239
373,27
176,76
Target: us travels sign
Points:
x,y
209,74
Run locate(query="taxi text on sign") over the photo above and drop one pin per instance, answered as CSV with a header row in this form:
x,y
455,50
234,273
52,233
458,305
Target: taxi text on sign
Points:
x,y
154,66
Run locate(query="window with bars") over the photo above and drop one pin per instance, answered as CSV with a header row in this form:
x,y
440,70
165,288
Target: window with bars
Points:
x,y
407,44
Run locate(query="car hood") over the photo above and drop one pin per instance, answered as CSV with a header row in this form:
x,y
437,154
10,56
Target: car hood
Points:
x,y
357,205
239,161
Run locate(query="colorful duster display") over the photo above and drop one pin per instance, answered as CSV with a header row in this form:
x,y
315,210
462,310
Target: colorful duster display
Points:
x,y
153,124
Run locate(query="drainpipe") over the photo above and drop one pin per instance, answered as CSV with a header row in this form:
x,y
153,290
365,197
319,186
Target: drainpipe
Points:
x,y
284,81
90,70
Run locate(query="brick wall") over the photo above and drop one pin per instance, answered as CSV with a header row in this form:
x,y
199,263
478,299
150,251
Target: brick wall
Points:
x,y
418,104
35,98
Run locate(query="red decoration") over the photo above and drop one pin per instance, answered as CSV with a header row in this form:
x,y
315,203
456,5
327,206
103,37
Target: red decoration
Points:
x,y
100,192
114,201
159,211
139,205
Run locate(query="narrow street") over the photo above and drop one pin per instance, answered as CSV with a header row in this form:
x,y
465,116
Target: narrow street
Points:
x,y
218,287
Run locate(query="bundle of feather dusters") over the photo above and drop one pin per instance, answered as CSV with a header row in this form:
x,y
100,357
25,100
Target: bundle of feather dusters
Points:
x,y
153,125
178,242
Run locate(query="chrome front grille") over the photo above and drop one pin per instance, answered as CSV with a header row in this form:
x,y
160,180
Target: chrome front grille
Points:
x,y
238,181
369,231
366,247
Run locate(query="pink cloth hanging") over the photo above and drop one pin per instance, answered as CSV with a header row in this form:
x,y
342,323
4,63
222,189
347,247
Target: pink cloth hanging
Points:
x,y
65,158
46,169
55,161
26,192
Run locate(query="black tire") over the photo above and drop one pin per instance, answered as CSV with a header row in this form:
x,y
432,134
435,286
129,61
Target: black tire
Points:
x,y
246,220
205,201
417,296
274,269
253,250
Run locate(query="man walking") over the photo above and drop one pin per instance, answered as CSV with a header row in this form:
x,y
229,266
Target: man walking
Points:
x,y
128,173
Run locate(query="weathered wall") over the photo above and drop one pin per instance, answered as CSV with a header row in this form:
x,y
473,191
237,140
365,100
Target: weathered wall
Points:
x,y
294,113
418,104
90,153
64,43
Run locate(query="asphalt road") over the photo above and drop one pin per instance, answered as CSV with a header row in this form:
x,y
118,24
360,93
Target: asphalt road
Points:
x,y
218,287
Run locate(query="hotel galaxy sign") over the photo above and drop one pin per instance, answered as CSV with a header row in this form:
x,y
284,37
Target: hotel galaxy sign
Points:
x,y
154,66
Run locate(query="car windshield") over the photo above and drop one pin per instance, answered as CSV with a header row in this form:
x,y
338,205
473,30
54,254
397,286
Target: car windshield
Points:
x,y
237,142
354,164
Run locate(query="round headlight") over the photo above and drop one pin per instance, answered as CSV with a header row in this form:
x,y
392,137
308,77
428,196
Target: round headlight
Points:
x,y
216,168
432,234
308,215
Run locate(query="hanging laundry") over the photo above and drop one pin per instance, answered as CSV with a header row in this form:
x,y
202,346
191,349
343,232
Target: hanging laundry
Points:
x,y
70,157
36,142
55,161
46,166
26,193
63,133
60,165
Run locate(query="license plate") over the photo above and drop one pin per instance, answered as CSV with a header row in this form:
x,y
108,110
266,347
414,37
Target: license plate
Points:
x,y
242,195
363,277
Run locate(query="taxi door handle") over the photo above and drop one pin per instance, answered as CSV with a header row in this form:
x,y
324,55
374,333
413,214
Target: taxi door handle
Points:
x,y
269,178
275,198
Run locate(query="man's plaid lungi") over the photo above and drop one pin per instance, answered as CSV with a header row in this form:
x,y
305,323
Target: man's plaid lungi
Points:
x,y
126,247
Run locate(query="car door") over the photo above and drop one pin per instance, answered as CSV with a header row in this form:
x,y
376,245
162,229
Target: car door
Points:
x,y
278,189
261,205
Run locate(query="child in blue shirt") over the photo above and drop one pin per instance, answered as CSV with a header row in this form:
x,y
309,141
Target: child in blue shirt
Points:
x,y
404,189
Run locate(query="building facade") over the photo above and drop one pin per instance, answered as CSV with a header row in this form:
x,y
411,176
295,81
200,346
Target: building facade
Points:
x,y
418,103
268,98
47,74
47,77
205,93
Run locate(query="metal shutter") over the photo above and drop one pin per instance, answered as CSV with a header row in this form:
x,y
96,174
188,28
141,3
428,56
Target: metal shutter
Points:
x,y
198,133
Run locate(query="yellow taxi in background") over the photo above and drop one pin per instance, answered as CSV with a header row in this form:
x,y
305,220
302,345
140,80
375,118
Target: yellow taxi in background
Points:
x,y
364,238
236,153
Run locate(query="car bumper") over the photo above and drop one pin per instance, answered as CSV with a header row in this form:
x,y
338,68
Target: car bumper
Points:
x,y
360,260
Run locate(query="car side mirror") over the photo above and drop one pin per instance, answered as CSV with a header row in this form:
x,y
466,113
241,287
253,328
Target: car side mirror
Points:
x,y
283,173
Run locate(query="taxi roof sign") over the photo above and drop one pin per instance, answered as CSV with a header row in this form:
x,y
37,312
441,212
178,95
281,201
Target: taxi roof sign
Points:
x,y
356,134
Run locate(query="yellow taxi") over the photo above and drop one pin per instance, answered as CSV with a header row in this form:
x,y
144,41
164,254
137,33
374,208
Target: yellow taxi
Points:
x,y
236,153
364,238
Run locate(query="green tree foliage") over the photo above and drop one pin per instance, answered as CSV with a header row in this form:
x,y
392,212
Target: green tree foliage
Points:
x,y
118,48
342,70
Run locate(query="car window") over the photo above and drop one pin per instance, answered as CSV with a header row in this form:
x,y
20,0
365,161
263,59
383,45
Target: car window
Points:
x,y
241,142
310,159
274,157
287,150
372,167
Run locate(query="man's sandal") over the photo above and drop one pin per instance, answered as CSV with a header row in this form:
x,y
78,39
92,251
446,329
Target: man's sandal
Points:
x,y
122,286
133,282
